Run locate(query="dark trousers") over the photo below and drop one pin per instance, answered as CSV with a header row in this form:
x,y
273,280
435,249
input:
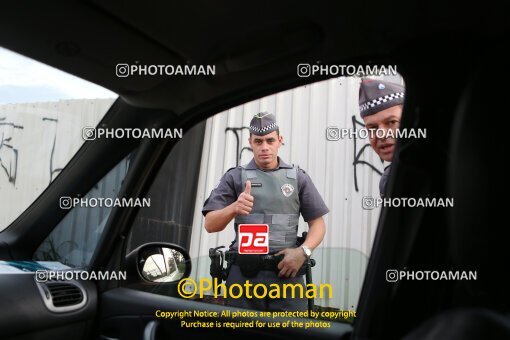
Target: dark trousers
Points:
x,y
267,278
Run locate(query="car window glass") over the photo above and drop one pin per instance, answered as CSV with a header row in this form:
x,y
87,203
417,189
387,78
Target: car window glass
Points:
x,y
42,112
75,238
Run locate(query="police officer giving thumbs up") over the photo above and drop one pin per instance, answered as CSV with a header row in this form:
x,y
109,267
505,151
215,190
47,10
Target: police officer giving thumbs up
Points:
x,y
267,191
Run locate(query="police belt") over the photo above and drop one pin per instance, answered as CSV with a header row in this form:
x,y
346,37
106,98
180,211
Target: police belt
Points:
x,y
251,264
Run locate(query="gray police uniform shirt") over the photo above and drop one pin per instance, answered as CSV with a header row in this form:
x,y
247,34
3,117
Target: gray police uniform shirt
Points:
x,y
230,187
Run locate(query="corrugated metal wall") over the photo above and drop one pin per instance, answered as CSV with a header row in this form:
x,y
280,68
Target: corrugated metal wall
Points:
x,y
304,114
36,142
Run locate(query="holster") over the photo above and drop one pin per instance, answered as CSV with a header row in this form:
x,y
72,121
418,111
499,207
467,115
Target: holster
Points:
x,y
217,258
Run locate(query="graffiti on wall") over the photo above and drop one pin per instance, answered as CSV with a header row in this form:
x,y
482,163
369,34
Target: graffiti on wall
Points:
x,y
8,153
54,143
359,153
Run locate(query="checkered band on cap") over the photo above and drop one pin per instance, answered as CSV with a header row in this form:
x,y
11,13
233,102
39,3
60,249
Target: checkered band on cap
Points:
x,y
263,123
378,101
378,95
271,126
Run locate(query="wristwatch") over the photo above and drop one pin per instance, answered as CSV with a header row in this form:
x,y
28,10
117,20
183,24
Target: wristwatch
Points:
x,y
308,251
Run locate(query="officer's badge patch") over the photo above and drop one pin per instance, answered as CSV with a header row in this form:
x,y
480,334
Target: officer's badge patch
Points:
x,y
287,189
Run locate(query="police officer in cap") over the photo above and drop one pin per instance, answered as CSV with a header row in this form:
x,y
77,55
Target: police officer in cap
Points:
x,y
268,191
380,106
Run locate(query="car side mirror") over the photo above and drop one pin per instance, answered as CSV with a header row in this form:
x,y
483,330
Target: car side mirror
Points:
x,y
158,262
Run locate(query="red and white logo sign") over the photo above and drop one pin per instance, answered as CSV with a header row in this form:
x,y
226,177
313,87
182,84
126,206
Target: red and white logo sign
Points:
x,y
253,238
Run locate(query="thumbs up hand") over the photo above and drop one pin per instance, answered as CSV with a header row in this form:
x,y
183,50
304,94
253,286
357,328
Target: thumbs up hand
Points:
x,y
244,202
